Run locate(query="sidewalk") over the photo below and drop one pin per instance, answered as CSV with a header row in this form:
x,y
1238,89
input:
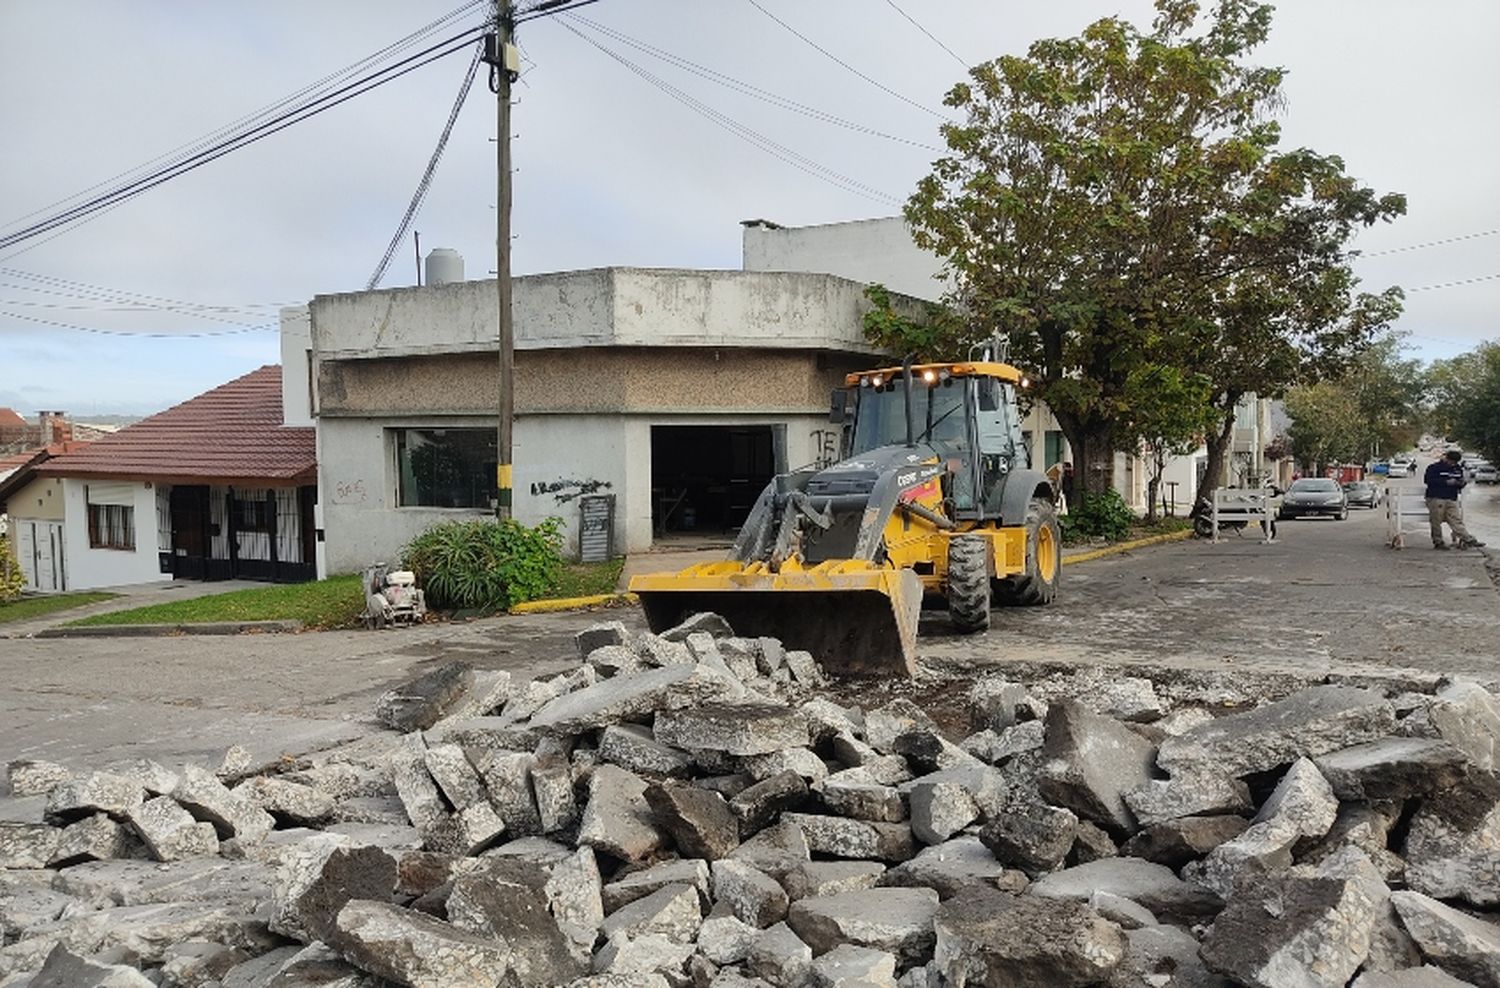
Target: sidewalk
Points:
x,y
131,597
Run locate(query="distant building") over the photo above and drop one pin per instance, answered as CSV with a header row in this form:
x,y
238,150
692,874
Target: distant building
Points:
x,y
214,488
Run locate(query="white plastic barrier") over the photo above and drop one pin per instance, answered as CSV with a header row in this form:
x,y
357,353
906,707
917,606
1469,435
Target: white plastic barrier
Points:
x,y
1238,507
1400,505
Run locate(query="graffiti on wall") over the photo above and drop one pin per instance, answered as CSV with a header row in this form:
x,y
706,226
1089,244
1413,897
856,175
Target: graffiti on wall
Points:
x,y
567,489
350,492
825,447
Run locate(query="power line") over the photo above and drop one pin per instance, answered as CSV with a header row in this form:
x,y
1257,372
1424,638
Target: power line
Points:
x,y
934,38
201,142
1430,243
874,82
65,288
746,88
549,7
274,125
1454,284
268,327
750,136
426,182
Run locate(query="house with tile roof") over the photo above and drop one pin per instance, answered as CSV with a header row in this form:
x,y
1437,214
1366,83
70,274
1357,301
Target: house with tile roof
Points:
x,y
31,513
216,488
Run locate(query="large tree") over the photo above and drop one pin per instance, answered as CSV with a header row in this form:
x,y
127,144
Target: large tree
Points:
x,y
1466,399
1114,197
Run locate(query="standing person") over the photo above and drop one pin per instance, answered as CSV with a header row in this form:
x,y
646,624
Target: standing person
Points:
x,y
1067,482
1444,479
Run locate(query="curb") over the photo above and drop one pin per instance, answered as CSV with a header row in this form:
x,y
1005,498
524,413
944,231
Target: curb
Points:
x,y
571,603
1119,547
164,630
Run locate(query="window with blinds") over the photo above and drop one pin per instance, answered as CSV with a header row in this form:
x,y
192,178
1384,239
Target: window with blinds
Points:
x,y
111,516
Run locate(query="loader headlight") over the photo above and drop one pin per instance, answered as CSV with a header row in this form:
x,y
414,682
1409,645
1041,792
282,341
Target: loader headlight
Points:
x,y
1025,382
877,381
929,376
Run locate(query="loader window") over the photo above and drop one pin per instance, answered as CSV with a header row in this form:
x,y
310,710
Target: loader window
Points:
x,y
938,412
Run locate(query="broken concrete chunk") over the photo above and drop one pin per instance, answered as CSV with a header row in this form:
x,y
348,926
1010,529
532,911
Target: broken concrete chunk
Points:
x,y
939,810
740,729
632,747
291,802
698,820
948,868
864,801
1462,945
1309,723
612,660
639,884
65,969
985,937
95,838
898,920
672,911
574,894
755,897
507,777
885,724
170,832
1185,839
803,761
703,622
1302,802
413,949
758,805
803,668
844,838
600,635
97,792
468,831
776,850
421,702
848,966
617,819
1467,716
1131,915
1152,885
780,956
1195,793
1127,698
202,794
27,845
552,787
35,777
635,962
993,703
1163,957
814,878
1315,922
1453,848
724,938
631,696
1091,762
455,777
1030,834
1426,976
1393,768
318,878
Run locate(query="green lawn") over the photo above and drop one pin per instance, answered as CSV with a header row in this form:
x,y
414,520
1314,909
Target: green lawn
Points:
x,y
331,603
34,607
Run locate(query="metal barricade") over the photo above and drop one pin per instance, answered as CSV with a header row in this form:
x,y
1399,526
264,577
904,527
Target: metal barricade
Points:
x,y
1398,506
1237,507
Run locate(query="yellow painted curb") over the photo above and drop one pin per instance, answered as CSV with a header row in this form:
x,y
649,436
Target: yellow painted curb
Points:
x,y
1111,550
572,603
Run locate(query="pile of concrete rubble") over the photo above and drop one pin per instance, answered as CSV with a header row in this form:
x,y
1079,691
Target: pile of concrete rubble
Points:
x,y
692,809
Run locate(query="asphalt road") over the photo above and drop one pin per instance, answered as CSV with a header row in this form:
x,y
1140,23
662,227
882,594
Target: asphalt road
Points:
x,y
1327,598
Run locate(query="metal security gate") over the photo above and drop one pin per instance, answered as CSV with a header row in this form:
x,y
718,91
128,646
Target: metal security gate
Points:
x,y
596,530
39,548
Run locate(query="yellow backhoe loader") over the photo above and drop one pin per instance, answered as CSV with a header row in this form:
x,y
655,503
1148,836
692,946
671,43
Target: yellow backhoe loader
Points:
x,y
934,498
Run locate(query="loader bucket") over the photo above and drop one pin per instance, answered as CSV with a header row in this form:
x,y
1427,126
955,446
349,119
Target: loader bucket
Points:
x,y
855,619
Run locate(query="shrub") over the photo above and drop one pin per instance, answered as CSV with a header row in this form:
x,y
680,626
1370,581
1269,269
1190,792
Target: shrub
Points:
x,y
485,565
12,582
1099,516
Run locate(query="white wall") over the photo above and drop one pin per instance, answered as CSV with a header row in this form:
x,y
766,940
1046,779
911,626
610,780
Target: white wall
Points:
x,y
296,366
865,251
89,568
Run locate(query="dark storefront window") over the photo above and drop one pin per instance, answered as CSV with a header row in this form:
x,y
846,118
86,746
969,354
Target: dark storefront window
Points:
x,y
446,468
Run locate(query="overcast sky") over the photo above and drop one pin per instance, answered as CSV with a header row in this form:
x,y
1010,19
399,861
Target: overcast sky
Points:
x,y
612,170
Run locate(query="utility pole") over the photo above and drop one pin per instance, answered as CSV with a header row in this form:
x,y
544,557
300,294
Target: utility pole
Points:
x,y
504,65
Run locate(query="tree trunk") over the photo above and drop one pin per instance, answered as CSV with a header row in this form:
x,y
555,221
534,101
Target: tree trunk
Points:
x,y
1218,446
1093,460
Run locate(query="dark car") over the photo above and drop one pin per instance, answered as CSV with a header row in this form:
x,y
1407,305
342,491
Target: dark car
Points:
x,y
1362,493
1315,496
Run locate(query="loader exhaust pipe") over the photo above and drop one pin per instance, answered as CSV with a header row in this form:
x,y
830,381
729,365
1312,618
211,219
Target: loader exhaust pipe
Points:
x,y
911,424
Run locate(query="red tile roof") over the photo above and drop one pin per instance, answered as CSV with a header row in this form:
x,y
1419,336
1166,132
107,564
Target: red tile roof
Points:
x,y
9,419
232,433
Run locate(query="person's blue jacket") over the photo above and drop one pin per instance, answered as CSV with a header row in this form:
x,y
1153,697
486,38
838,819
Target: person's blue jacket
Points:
x,y
1444,480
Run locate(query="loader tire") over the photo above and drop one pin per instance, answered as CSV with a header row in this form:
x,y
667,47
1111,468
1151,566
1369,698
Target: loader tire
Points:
x,y
969,583
1038,584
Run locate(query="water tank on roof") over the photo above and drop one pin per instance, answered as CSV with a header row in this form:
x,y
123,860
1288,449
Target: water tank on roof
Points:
x,y
444,266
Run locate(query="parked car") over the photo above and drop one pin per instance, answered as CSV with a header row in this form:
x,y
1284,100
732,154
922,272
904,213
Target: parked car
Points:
x,y
1362,493
1398,469
1486,474
1314,496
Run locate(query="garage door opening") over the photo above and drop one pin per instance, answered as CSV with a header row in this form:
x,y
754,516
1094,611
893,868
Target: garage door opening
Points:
x,y
705,478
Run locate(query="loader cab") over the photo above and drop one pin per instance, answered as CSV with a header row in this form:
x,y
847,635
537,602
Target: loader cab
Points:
x,y
959,414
